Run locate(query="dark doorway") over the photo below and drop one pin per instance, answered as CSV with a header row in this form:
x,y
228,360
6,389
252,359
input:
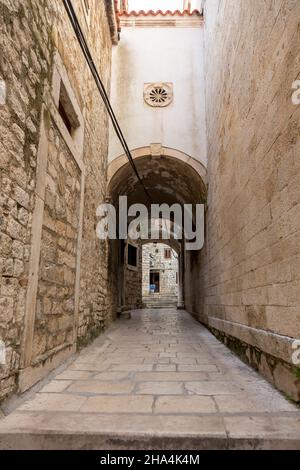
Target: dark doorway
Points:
x,y
154,282
132,256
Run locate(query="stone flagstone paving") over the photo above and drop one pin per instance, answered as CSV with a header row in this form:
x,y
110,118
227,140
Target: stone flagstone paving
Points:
x,y
158,380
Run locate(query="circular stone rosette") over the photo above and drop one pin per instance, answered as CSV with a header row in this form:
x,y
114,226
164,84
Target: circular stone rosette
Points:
x,y
158,95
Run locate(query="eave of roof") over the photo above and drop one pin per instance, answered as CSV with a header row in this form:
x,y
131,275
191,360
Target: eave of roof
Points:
x,y
152,13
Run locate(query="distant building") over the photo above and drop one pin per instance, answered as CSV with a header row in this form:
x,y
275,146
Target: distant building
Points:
x,y
160,275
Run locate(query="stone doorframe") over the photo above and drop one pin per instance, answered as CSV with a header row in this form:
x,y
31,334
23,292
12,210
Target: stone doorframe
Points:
x,y
30,375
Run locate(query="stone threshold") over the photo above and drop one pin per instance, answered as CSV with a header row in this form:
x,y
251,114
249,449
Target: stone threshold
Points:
x,y
70,431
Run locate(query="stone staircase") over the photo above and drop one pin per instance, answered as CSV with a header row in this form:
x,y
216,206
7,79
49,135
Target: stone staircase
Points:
x,y
160,301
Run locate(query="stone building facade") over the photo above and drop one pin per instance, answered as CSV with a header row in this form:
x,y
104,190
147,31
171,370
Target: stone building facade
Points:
x,y
53,157
160,269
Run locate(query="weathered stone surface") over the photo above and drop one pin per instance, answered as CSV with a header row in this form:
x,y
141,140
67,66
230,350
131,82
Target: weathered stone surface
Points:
x,y
246,273
160,388
155,409
99,387
56,386
31,31
126,404
54,402
186,405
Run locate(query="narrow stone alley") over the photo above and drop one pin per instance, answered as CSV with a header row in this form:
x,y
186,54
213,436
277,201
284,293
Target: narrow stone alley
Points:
x,y
157,380
149,224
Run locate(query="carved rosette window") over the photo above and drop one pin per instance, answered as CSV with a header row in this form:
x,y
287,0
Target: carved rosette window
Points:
x,y
158,95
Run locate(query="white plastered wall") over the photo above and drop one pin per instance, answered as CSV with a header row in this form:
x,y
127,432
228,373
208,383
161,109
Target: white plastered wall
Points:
x,y
160,54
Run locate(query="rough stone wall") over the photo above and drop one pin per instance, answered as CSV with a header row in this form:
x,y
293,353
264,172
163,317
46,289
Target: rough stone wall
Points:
x,y
146,270
24,64
54,321
133,283
250,269
31,30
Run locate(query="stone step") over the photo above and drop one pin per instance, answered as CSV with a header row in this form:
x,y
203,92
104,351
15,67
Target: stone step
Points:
x,y
161,302
161,299
159,305
73,431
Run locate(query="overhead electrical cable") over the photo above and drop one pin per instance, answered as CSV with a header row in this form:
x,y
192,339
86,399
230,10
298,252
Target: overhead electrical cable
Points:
x,y
88,56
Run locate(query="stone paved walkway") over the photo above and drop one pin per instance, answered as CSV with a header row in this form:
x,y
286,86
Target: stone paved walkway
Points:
x,y
158,380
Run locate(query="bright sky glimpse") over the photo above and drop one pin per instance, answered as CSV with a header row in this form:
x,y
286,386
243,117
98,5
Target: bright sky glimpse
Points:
x,y
160,4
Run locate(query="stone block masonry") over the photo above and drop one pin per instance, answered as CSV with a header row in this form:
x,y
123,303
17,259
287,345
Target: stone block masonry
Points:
x,y
54,321
249,280
53,269
133,281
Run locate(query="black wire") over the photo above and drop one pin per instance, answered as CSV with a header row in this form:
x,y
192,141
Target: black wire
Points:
x,y
85,49
87,54
92,66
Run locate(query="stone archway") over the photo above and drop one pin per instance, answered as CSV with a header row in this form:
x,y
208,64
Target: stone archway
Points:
x,y
157,151
170,177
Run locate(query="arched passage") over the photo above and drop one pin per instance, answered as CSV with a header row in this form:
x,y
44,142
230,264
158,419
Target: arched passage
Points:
x,y
170,177
154,159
